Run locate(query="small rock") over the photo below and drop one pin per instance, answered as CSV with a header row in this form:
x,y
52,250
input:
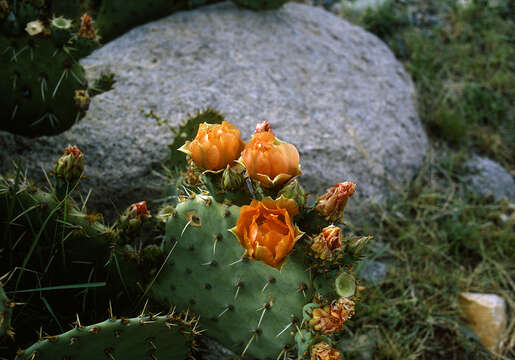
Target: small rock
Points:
x,y
486,177
373,271
486,316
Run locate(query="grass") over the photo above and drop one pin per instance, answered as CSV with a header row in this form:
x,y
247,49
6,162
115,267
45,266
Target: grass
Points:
x,y
437,238
462,60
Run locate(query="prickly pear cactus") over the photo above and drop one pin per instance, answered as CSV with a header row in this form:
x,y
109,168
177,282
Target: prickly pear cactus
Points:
x,y
6,311
42,86
237,256
145,337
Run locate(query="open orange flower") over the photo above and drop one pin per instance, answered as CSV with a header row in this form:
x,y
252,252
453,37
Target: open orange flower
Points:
x,y
270,161
266,232
215,146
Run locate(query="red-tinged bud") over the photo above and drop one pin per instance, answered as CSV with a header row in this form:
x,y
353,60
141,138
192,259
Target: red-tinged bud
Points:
x,y
70,166
263,127
332,204
134,217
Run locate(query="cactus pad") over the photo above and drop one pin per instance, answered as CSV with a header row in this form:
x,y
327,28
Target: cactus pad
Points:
x,y
252,308
6,310
144,337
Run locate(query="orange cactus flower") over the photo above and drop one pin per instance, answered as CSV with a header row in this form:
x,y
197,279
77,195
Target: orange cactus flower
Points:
x,y
270,161
215,146
324,351
266,232
327,242
332,204
330,318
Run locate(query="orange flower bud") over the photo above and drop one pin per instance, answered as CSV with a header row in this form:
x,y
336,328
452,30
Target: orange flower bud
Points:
x,y
269,160
263,126
330,318
324,351
332,204
266,232
327,242
215,146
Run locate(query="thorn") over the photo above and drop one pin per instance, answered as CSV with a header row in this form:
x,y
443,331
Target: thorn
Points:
x,y
237,261
283,330
185,227
65,72
144,309
149,340
238,286
261,318
227,308
110,311
77,323
270,280
248,344
13,115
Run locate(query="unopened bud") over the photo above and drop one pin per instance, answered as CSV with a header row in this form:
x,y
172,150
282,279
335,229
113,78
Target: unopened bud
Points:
x,y
357,244
332,204
292,190
232,178
134,217
327,243
70,166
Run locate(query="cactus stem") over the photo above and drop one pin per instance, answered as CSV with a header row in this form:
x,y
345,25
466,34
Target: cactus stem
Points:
x,y
283,330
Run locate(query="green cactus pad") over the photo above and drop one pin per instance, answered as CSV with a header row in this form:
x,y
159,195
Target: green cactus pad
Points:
x,y
148,337
250,307
38,85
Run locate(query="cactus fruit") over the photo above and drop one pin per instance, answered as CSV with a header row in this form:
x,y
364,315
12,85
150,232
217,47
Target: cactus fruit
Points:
x,y
6,312
172,336
260,4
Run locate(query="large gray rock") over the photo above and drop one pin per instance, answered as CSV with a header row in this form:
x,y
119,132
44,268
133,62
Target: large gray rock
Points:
x,y
487,177
332,89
